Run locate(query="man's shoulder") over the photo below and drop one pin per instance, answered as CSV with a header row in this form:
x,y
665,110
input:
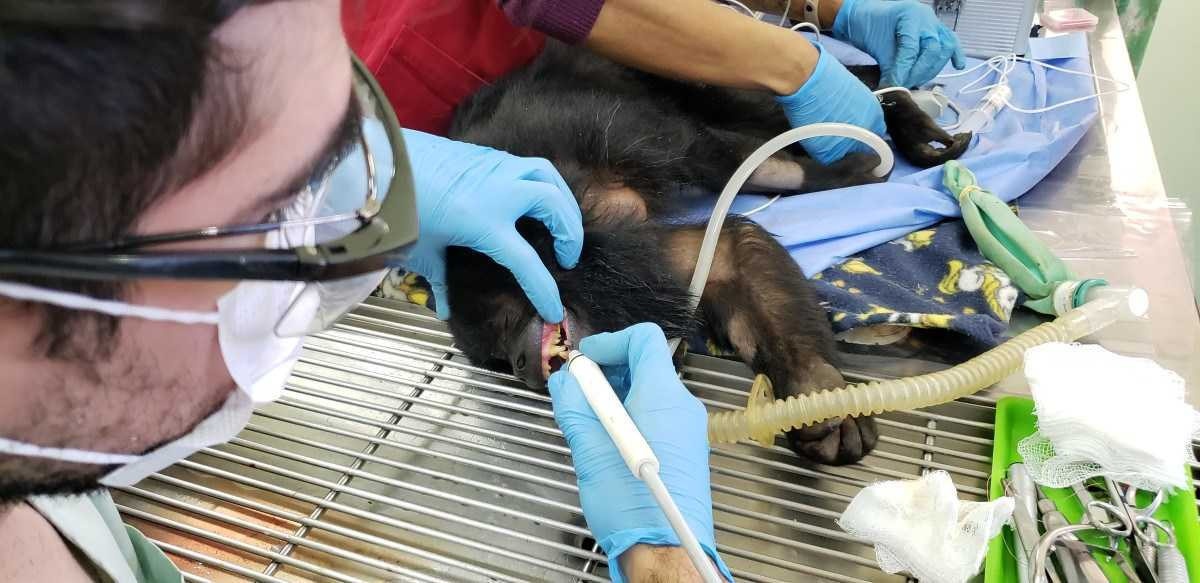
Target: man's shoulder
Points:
x,y
31,548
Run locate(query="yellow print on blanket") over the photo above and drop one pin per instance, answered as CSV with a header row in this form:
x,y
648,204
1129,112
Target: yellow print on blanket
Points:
x,y
916,240
987,280
857,266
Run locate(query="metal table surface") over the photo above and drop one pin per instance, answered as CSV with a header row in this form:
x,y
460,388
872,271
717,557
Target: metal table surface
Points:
x,y
1104,210
389,457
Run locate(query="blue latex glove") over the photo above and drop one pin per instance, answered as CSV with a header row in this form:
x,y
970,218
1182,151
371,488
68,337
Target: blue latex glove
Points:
x,y
832,94
471,196
618,507
905,37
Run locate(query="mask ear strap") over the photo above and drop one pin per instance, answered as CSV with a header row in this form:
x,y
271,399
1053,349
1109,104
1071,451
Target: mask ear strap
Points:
x,y
29,293
79,456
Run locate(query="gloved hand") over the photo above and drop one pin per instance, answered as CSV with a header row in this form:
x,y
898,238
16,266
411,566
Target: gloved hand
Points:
x,y
471,196
618,507
832,94
905,37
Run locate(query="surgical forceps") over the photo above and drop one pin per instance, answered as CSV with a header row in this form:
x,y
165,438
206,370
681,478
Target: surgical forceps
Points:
x,y
1109,518
1144,544
1074,557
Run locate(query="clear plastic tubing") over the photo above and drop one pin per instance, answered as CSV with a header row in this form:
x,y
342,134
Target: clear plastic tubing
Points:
x,y
708,247
925,390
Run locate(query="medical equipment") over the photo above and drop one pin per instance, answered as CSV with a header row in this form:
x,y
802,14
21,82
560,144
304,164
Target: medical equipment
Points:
x,y
1021,488
636,452
1047,283
999,93
1073,555
979,118
1119,518
760,421
763,420
988,27
1098,506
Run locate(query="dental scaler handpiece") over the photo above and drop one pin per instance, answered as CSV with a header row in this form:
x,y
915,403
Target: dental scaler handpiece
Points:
x,y
636,452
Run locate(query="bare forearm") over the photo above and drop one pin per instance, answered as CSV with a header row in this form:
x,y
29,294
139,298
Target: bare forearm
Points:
x,y
828,9
653,564
699,40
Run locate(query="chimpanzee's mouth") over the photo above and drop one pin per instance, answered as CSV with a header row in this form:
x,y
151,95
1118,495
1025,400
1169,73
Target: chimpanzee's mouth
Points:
x,y
555,346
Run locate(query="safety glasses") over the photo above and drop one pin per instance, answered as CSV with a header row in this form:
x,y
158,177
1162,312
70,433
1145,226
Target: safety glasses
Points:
x,y
329,232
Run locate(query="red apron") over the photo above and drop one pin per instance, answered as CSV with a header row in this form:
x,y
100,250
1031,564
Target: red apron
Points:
x,y
429,55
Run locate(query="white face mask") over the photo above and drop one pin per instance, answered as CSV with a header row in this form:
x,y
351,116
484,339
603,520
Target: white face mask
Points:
x,y
258,354
258,359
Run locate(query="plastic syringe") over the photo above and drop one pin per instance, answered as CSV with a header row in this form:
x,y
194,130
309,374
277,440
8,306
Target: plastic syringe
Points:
x,y
637,454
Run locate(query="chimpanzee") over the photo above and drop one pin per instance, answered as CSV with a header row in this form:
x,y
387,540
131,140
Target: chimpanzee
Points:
x,y
629,144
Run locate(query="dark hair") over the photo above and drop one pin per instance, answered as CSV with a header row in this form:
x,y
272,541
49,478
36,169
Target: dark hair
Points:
x,y
98,107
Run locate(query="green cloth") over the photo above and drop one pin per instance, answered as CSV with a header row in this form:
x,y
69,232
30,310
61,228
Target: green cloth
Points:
x,y
91,525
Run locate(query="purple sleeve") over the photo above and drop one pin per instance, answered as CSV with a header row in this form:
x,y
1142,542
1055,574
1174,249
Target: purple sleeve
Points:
x,y
567,20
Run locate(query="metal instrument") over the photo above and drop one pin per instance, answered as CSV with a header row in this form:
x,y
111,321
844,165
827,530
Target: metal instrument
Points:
x,y
1074,558
1145,543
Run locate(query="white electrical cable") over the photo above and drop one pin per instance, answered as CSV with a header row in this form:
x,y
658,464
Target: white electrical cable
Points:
x,y
762,206
809,26
1002,65
637,454
708,246
893,89
746,9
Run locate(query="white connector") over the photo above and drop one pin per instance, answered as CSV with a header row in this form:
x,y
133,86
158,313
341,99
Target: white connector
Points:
x,y
981,117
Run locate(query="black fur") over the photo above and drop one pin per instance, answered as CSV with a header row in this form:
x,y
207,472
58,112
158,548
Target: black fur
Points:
x,y
618,282
626,142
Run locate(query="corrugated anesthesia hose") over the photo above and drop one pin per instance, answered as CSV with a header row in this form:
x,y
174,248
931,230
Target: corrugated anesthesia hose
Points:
x,y
877,397
762,421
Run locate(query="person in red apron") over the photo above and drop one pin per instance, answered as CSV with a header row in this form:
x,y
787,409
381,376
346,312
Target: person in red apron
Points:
x,y
429,55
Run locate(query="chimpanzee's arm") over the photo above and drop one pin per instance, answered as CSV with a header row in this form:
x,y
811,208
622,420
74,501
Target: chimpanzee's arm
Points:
x,y
758,302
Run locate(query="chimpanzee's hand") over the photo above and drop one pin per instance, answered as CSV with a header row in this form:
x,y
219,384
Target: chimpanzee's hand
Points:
x,y
618,507
471,196
832,94
905,37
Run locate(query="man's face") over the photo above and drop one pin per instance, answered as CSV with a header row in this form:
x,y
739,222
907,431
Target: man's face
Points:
x,y
161,379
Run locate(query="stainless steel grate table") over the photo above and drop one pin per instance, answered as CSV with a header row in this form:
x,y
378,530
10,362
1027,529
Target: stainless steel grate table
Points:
x,y
392,458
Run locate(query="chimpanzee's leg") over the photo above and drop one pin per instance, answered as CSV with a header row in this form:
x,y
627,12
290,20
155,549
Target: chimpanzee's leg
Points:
x,y
759,302
790,173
